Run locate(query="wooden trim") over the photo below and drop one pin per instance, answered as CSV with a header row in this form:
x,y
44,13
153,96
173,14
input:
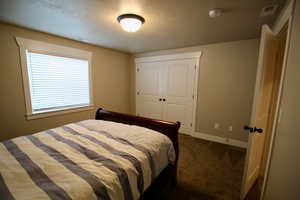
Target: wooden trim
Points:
x,y
52,49
178,56
277,115
222,140
25,78
49,113
195,101
26,45
284,17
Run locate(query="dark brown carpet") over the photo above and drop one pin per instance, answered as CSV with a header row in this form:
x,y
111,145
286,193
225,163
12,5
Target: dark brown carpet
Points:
x,y
208,170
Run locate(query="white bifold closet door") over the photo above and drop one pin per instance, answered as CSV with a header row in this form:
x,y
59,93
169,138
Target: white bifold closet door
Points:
x,y
165,90
149,78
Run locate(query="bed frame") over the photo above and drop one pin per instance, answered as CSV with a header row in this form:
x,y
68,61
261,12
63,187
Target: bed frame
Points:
x,y
168,177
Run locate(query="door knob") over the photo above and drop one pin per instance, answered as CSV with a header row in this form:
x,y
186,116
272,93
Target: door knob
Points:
x,y
248,128
258,130
253,130
160,99
164,99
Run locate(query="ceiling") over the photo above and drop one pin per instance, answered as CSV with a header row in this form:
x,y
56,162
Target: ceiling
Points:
x,y
169,23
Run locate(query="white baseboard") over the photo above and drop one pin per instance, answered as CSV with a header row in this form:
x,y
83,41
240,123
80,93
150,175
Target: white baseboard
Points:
x,y
219,139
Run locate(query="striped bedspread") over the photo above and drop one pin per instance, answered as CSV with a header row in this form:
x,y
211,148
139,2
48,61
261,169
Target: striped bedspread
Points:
x,y
91,159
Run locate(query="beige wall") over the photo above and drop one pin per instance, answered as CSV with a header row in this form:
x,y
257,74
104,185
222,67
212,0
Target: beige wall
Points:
x,y
111,83
283,181
226,86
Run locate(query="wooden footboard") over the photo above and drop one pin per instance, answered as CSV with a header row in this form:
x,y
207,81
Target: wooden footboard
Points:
x,y
170,129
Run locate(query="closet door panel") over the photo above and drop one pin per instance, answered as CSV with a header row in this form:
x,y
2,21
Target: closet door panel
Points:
x,y
148,82
178,92
175,112
177,80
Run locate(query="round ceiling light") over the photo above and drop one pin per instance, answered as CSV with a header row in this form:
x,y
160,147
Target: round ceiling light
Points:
x,y
216,12
131,22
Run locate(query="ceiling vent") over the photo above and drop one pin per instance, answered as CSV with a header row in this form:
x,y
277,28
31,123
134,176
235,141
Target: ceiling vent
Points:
x,y
268,10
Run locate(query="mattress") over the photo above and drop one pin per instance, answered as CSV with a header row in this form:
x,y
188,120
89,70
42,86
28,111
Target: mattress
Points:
x,y
91,159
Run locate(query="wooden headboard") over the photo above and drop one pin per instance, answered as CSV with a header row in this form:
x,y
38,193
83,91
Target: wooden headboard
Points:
x,y
170,129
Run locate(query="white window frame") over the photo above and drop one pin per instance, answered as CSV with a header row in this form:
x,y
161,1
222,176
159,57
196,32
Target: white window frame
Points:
x,y
55,50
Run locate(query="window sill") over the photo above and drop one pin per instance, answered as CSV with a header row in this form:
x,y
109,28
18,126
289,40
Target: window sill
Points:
x,y
50,113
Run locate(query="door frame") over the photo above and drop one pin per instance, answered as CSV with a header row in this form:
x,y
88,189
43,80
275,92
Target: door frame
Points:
x,y
284,19
176,56
258,82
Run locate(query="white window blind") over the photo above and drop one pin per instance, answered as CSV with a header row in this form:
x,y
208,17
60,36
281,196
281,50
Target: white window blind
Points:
x,y
56,82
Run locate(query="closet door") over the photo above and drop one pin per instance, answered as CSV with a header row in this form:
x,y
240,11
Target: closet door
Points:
x,y
148,90
178,92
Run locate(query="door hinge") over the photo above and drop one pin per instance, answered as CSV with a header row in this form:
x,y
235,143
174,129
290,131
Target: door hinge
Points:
x,y
138,93
193,96
195,67
138,69
191,124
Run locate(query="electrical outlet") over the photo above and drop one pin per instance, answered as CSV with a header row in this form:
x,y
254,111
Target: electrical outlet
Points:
x,y
216,126
230,128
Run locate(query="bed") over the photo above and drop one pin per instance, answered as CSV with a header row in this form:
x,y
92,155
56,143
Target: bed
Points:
x,y
116,156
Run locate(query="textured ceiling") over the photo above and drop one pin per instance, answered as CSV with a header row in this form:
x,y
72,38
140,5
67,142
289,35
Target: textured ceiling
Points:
x,y
169,23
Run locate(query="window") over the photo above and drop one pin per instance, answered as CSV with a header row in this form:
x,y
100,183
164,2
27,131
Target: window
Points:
x,y
56,78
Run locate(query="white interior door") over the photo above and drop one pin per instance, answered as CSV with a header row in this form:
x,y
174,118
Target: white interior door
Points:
x,y
178,89
261,108
148,90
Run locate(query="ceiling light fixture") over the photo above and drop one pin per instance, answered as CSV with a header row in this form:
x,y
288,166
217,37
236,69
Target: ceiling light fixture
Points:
x,y
131,22
216,12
